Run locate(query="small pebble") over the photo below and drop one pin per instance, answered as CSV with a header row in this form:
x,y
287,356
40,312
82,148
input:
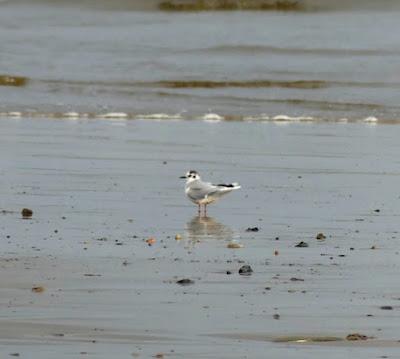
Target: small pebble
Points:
x,y
301,245
185,281
234,245
252,229
38,289
26,213
320,236
150,241
245,270
356,336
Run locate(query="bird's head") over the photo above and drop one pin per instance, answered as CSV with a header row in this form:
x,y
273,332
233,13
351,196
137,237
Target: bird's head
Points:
x,y
191,176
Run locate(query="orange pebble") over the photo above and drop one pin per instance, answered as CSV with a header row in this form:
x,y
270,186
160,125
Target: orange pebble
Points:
x,y
38,289
150,241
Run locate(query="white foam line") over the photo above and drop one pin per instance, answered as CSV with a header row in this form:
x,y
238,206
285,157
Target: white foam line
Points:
x,y
212,117
159,116
294,118
262,117
280,123
14,114
370,119
72,115
114,115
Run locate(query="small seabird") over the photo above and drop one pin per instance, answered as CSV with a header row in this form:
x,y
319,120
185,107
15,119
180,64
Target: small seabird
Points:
x,y
204,193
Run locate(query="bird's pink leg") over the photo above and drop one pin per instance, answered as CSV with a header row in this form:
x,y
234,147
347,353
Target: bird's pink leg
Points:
x,y
205,210
199,211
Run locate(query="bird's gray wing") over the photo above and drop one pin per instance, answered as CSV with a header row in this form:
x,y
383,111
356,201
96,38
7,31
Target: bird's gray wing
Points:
x,y
201,190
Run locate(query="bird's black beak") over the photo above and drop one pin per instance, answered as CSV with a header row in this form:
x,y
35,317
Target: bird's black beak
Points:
x,y
184,177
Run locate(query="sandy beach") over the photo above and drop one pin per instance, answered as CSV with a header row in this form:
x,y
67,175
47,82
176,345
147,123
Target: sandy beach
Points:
x,y
99,189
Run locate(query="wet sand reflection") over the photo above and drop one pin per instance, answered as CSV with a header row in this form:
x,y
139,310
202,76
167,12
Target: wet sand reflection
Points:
x,y
201,228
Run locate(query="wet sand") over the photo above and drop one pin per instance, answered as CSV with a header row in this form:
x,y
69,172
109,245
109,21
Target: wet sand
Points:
x,y
98,189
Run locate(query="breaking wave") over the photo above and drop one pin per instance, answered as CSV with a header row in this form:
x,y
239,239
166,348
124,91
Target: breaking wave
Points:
x,y
207,117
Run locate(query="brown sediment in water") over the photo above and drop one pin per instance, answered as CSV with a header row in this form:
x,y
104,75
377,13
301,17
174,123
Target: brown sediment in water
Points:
x,y
300,84
210,5
9,80
252,83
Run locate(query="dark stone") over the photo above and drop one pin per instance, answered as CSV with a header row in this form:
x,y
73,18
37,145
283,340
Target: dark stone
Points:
x,y
356,336
185,281
26,213
301,245
386,307
252,229
228,272
245,270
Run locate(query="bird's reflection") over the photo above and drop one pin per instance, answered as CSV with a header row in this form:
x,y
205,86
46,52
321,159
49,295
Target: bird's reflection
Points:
x,y
201,228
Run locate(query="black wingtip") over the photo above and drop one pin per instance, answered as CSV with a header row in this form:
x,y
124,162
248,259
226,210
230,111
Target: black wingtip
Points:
x,y
230,185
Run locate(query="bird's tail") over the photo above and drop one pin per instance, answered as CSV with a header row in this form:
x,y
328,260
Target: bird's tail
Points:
x,y
229,187
236,185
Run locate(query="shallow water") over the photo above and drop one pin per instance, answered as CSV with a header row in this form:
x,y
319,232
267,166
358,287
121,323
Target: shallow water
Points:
x,y
102,57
